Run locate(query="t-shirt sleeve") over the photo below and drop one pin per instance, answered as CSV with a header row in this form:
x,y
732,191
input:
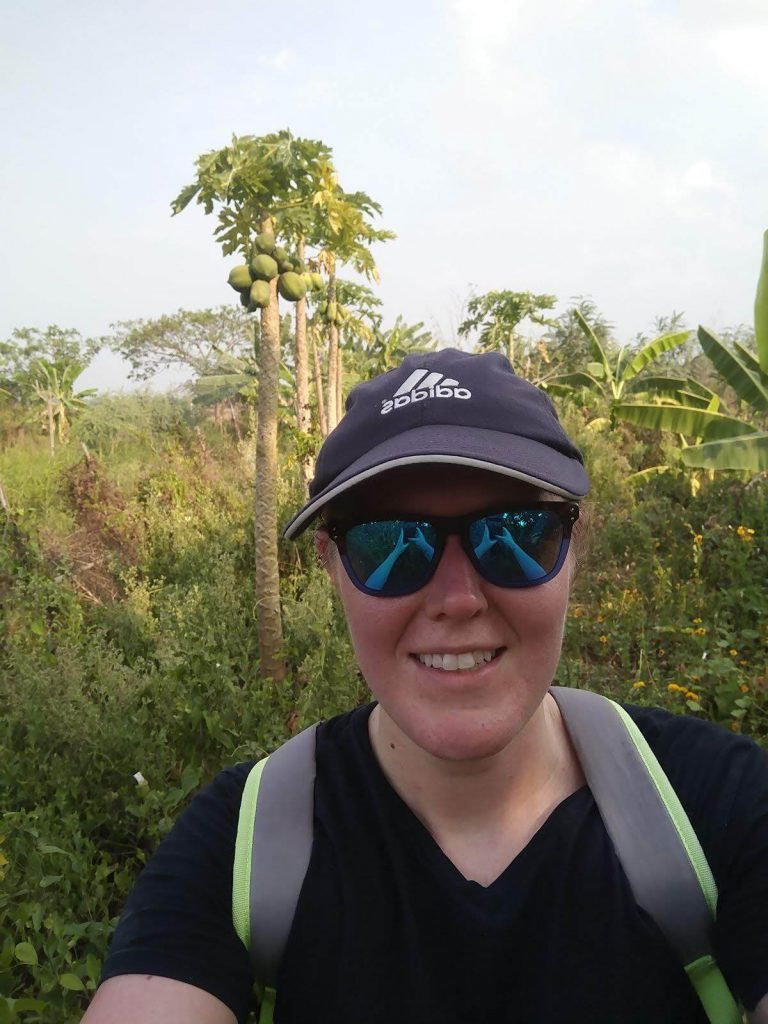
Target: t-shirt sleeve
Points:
x,y
177,922
722,781
741,932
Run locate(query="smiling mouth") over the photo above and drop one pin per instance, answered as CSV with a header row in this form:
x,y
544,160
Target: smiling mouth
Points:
x,y
465,661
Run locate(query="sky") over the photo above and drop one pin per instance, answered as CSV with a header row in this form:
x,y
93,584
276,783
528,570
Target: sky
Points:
x,y
573,147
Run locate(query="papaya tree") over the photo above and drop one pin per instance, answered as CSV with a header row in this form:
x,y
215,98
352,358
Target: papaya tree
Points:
x,y
345,227
496,316
251,184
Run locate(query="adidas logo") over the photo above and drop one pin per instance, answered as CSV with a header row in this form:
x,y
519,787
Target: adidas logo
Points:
x,y
421,385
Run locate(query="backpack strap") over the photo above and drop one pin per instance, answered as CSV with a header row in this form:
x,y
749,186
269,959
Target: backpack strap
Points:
x,y
272,860
653,838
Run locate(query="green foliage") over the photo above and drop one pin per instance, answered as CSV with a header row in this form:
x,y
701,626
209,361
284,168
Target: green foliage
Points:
x,y
128,643
190,339
761,310
496,316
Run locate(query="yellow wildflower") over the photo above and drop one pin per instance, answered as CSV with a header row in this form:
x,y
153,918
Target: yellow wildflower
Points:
x,y
639,685
697,539
733,652
601,618
674,688
746,533
744,688
603,639
743,661
701,631
697,621
690,695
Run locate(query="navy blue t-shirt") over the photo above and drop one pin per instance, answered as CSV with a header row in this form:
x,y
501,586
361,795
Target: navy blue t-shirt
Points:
x,y
387,929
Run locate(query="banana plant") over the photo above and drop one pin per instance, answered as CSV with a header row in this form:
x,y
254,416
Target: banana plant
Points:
x,y
614,376
53,386
720,441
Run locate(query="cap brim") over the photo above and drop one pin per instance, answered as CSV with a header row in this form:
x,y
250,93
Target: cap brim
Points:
x,y
496,451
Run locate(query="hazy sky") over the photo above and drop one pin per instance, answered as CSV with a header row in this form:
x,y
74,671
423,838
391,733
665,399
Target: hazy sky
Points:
x,y
615,149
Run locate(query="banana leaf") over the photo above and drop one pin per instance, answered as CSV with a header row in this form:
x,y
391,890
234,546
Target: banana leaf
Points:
x,y
751,363
643,475
682,419
576,380
657,385
733,371
653,350
761,309
594,343
700,389
695,401
744,453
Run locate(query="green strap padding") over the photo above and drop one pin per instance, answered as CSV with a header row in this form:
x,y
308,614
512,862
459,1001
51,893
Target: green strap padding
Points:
x,y
267,1011
241,869
716,998
688,837
704,974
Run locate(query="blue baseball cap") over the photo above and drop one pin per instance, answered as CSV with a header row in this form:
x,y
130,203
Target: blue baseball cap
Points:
x,y
450,407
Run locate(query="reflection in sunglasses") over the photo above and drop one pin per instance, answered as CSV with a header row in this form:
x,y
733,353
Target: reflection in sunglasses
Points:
x,y
378,578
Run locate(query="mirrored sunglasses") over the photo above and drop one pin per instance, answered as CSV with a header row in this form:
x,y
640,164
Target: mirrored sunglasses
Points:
x,y
522,546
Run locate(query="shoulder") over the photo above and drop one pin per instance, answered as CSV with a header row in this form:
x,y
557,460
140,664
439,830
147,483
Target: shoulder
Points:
x,y
720,777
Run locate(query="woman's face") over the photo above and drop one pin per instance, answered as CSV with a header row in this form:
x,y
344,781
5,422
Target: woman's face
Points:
x,y
469,713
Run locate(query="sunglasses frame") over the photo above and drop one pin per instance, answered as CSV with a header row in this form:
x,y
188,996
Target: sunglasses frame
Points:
x,y
445,526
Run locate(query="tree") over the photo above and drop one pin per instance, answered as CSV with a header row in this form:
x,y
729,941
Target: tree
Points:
x,y
721,441
347,234
497,315
27,346
387,349
190,339
611,375
53,386
255,185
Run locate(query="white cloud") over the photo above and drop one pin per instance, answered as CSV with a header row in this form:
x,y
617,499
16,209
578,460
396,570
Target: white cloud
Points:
x,y
282,60
742,52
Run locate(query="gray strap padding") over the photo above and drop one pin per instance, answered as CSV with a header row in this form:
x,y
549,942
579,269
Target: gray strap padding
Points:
x,y
644,836
282,844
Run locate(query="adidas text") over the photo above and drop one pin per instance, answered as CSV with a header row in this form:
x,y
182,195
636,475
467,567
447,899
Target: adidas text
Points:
x,y
422,385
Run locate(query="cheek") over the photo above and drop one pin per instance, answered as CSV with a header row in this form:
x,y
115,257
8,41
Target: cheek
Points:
x,y
375,625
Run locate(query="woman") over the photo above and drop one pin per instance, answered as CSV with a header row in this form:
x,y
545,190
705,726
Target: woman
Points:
x,y
460,869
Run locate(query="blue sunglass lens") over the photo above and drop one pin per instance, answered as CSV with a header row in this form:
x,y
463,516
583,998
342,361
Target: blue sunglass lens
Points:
x,y
391,556
516,548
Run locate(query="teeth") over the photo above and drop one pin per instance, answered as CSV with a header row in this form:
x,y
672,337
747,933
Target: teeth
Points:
x,y
453,662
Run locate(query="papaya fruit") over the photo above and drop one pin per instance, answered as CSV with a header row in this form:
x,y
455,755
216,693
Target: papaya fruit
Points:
x,y
292,286
240,278
259,295
263,267
265,242
317,281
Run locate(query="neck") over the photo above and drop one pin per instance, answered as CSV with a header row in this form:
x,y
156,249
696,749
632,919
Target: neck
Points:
x,y
502,799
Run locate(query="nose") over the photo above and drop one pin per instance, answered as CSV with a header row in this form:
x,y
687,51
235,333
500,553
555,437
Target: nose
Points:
x,y
455,591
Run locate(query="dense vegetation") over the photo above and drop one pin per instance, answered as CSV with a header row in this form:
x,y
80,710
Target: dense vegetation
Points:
x,y
129,645
155,630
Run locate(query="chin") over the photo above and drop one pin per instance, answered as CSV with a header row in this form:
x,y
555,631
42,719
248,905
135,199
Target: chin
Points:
x,y
468,735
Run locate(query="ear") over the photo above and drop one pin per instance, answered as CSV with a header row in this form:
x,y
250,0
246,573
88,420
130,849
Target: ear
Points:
x,y
326,550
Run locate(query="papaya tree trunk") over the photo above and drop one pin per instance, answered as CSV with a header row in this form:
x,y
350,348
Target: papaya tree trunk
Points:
x,y
339,383
235,420
333,353
318,375
303,410
266,576
51,425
